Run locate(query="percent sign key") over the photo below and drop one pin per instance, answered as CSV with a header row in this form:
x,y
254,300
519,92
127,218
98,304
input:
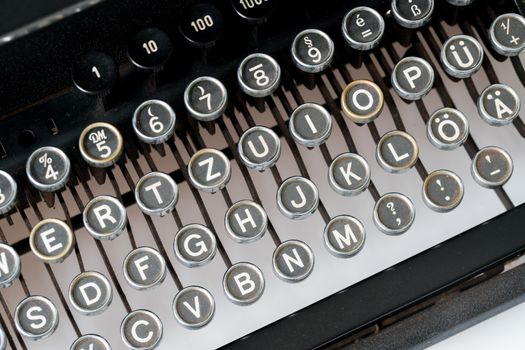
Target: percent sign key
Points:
x,y
48,169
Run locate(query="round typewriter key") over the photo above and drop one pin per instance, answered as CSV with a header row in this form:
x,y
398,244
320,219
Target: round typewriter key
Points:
x,y
447,128
344,236
243,283
156,194
209,170
259,148
492,167
8,191
297,198
90,293
195,245
363,28
412,13
10,265
202,25
193,307
141,330
36,317
90,342
95,73
362,101
461,56
205,98
442,191
101,144
150,49
394,213
259,75
460,2
144,268
310,125
254,11
154,122
507,34
52,240
48,169
349,174
413,78
499,105
293,261
397,151
246,221
105,217
312,51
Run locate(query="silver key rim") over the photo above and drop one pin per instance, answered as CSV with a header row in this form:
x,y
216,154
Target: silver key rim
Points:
x,y
101,340
487,117
431,203
119,228
218,111
406,226
481,180
435,141
410,95
460,2
500,48
313,68
16,268
54,318
3,341
337,252
155,319
259,291
281,274
450,68
144,286
105,303
411,24
169,129
9,202
242,239
64,252
59,183
321,138
302,215
393,168
258,93
212,248
264,165
345,191
225,178
168,207
204,292
357,45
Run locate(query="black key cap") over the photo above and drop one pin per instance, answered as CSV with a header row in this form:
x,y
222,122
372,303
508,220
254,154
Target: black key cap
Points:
x,y
202,25
95,73
150,49
254,11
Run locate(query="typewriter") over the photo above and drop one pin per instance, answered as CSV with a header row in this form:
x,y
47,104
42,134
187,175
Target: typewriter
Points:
x,y
258,174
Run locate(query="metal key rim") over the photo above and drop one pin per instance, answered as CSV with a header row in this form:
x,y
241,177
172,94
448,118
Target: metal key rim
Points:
x,y
344,191
329,245
358,45
257,166
293,279
154,317
58,183
16,263
54,316
387,230
96,336
206,117
66,251
115,154
224,179
164,209
192,263
120,226
480,179
496,45
411,24
9,202
204,322
449,67
302,215
100,277
320,139
408,95
392,168
316,67
259,292
251,204
170,128
444,146
439,208
267,90
144,286
485,115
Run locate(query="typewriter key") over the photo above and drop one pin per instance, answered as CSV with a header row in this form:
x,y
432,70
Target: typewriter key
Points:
x,y
100,144
48,169
150,49
499,105
202,25
104,217
310,125
9,265
206,98
312,51
394,213
344,236
349,174
246,221
154,122
507,34
412,78
397,151
492,167
412,13
90,293
293,261
156,193
254,11
141,330
194,245
36,317
442,191
95,73
297,198
209,170
90,342
461,56
144,268
8,191
51,240
259,148
363,28
447,128
243,283
362,101
193,307
460,2
259,75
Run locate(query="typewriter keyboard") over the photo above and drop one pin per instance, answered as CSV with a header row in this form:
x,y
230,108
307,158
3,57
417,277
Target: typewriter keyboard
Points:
x,y
205,214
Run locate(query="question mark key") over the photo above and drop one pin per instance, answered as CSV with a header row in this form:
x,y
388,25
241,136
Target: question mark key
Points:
x,y
394,213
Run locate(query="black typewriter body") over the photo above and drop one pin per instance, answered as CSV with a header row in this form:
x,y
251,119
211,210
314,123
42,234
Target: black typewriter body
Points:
x,y
178,93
